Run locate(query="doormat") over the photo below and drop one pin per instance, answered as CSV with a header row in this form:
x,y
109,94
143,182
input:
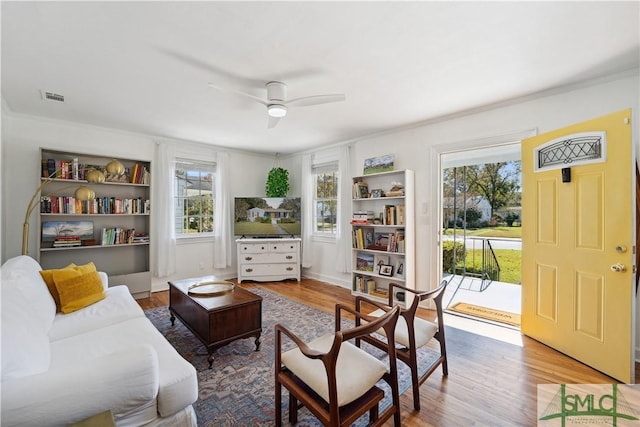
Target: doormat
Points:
x,y
486,313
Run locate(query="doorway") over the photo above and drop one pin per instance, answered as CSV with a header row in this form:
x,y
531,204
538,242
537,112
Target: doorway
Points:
x,y
481,233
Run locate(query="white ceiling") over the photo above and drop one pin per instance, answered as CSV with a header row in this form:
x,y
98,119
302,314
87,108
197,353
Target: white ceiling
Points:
x,y
144,66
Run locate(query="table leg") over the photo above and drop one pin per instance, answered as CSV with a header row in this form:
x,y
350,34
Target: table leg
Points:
x,y
257,342
210,358
173,319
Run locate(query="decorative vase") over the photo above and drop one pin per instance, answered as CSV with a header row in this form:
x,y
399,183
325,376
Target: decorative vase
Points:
x,y
95,175
84,193
115,167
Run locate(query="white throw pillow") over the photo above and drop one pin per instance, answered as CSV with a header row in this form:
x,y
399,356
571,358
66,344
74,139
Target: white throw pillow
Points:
x,y
25,343
24,273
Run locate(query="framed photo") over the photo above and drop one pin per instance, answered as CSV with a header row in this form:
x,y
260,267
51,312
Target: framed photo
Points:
x,y
376,193
386,270
378,164
400,269
379,260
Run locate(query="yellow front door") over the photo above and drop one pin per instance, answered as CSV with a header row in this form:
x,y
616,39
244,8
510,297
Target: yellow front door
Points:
x,y
578,292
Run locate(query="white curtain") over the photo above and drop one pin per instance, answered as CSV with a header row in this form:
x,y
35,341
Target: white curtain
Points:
x,y
164,234
307,211
222,245
343,232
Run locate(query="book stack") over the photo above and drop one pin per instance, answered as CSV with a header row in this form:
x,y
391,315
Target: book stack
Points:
x,y
66,241
362,217
117,236
379,292
63,169
364,283
139,174
141,238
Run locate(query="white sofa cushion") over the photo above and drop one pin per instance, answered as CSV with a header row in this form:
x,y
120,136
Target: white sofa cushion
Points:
x,y
178,383
356,370
126,382
117,307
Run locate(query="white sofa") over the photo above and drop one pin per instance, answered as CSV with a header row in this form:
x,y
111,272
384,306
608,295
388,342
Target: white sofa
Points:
x,y
58,369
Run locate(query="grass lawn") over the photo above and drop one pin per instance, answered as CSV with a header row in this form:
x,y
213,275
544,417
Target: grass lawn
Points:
x,y
508,259
511,232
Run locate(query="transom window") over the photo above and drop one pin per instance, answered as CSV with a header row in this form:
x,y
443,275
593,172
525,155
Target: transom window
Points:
x,y
194,198
325,198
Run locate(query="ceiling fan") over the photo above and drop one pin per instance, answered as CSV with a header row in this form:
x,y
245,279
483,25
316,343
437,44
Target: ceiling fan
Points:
x,y
277,103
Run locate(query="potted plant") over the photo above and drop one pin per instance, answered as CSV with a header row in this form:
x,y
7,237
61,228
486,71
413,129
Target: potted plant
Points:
x,y
277,182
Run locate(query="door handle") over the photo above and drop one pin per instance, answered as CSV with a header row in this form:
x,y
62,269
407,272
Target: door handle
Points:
x,y
618,268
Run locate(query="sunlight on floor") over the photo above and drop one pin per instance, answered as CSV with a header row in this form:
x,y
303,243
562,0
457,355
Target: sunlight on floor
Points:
x,y
500,333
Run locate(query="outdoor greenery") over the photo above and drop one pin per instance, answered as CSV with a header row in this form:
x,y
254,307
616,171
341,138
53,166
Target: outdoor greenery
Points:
x,y
447,254
508,259
514,232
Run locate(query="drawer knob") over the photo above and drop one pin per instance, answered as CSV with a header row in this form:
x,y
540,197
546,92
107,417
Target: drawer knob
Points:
x,y
289,268
248,270
262,248
289,256
248,258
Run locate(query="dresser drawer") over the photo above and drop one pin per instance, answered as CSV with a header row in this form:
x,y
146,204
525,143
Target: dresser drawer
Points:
x,y
253,248
284,270
261,258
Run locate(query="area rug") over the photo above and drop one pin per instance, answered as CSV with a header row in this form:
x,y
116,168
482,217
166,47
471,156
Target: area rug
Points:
x,y
239,389
486,313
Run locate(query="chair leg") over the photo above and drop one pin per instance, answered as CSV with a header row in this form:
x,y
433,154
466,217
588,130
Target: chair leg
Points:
x,y
293,409
415,381
278,402
373,414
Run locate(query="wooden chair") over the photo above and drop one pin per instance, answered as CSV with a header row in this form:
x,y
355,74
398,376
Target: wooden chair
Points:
x,y
335,379
411,331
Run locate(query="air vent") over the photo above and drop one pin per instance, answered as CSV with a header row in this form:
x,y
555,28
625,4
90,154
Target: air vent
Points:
x,y
51,96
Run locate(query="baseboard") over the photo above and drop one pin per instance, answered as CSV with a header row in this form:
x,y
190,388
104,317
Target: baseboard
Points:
x,y
328,279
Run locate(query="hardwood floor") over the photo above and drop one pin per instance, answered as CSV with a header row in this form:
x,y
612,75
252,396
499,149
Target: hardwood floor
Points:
x,y
490,382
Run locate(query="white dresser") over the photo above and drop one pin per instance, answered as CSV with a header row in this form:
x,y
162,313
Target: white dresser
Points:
x,y
266,260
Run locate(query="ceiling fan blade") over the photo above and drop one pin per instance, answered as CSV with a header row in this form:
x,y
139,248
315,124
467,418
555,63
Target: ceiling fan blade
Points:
x,y
273,121
316,99
237,92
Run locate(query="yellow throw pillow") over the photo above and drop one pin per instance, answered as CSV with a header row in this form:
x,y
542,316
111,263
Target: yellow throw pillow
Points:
x,y
75,286
47,275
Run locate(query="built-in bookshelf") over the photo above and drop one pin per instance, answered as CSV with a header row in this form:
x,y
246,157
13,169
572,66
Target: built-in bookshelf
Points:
x,y
96,209
383,232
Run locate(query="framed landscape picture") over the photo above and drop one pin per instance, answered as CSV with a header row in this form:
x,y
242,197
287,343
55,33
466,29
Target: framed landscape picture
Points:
x,y
378,164
53,229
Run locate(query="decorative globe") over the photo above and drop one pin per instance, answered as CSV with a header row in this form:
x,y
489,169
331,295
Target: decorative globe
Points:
x,y
85,193
115,167
95,175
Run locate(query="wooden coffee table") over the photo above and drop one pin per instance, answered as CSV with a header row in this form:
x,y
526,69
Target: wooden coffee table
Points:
x,y
216,320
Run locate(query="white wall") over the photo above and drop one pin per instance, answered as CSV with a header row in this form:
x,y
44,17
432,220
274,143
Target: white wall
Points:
x,y
418,148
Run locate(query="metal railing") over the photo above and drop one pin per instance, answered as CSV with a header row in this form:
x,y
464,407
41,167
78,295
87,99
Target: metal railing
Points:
x,y
489,266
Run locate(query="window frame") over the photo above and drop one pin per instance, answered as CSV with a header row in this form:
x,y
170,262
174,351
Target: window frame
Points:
x,y
331,167
203,168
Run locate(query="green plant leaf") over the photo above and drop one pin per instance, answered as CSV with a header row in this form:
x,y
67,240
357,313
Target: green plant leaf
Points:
x,y
277,183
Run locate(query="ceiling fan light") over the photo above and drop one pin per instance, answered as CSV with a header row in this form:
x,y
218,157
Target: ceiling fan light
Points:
x,y
277,110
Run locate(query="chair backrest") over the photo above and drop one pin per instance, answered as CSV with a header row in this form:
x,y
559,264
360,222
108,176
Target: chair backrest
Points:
x,y
436,295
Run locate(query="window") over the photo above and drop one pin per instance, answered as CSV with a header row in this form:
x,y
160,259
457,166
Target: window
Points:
x,y
325,198
194,198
